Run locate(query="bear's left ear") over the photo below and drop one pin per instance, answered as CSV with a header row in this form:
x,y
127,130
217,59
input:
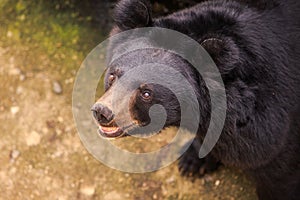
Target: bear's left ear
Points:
x,y
131,14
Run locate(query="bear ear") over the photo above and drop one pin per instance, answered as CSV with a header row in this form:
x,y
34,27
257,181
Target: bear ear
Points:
x,y
131,14
224,52
214,47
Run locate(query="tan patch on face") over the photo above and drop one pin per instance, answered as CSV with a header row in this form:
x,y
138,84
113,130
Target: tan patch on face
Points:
x,y
132,102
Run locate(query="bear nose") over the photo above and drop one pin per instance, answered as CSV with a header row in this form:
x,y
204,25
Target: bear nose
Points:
x,y
102,114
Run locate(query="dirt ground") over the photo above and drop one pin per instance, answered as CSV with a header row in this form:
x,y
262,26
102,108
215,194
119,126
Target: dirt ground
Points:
x,y
41,47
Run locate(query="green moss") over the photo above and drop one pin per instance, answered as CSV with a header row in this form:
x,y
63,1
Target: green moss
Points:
x,y
48,27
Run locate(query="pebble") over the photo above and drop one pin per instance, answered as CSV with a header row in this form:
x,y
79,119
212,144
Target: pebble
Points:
x,y
14,71
62,198
22,77
217,183
68,81
9,34
19,90
57,88
14,110
74,57
33,138
68,128
14,154
113,195
45,130
170,180
87,190
58,132
60,119
56,154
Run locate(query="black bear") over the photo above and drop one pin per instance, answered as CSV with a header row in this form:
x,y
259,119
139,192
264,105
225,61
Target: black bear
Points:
x,y
256,47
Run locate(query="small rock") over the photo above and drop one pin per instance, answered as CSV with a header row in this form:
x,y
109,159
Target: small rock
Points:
x,y
68,128
33,138
164,190
113,195
68,81
120,180
56,154
9,34
87,190
62,198
19,90
14,110
14,71
170,180
74,57
22,77
217,183
60,119
14,154
22,17
57,89
58,132
45,130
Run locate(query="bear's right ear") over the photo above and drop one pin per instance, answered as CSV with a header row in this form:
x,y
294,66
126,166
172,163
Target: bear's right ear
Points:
x,y
213,46
130,14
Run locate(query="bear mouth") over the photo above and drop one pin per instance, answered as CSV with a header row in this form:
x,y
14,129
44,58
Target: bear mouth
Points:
x,y
113,131
110,132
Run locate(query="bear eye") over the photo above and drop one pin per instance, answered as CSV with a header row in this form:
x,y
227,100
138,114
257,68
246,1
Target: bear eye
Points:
x,y
146,95
111,78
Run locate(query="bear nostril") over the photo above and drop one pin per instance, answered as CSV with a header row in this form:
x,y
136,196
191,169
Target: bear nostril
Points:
x,y
95,114
102,113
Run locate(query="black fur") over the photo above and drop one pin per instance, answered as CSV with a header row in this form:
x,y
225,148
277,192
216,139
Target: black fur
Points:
x,y
133,14
256,47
